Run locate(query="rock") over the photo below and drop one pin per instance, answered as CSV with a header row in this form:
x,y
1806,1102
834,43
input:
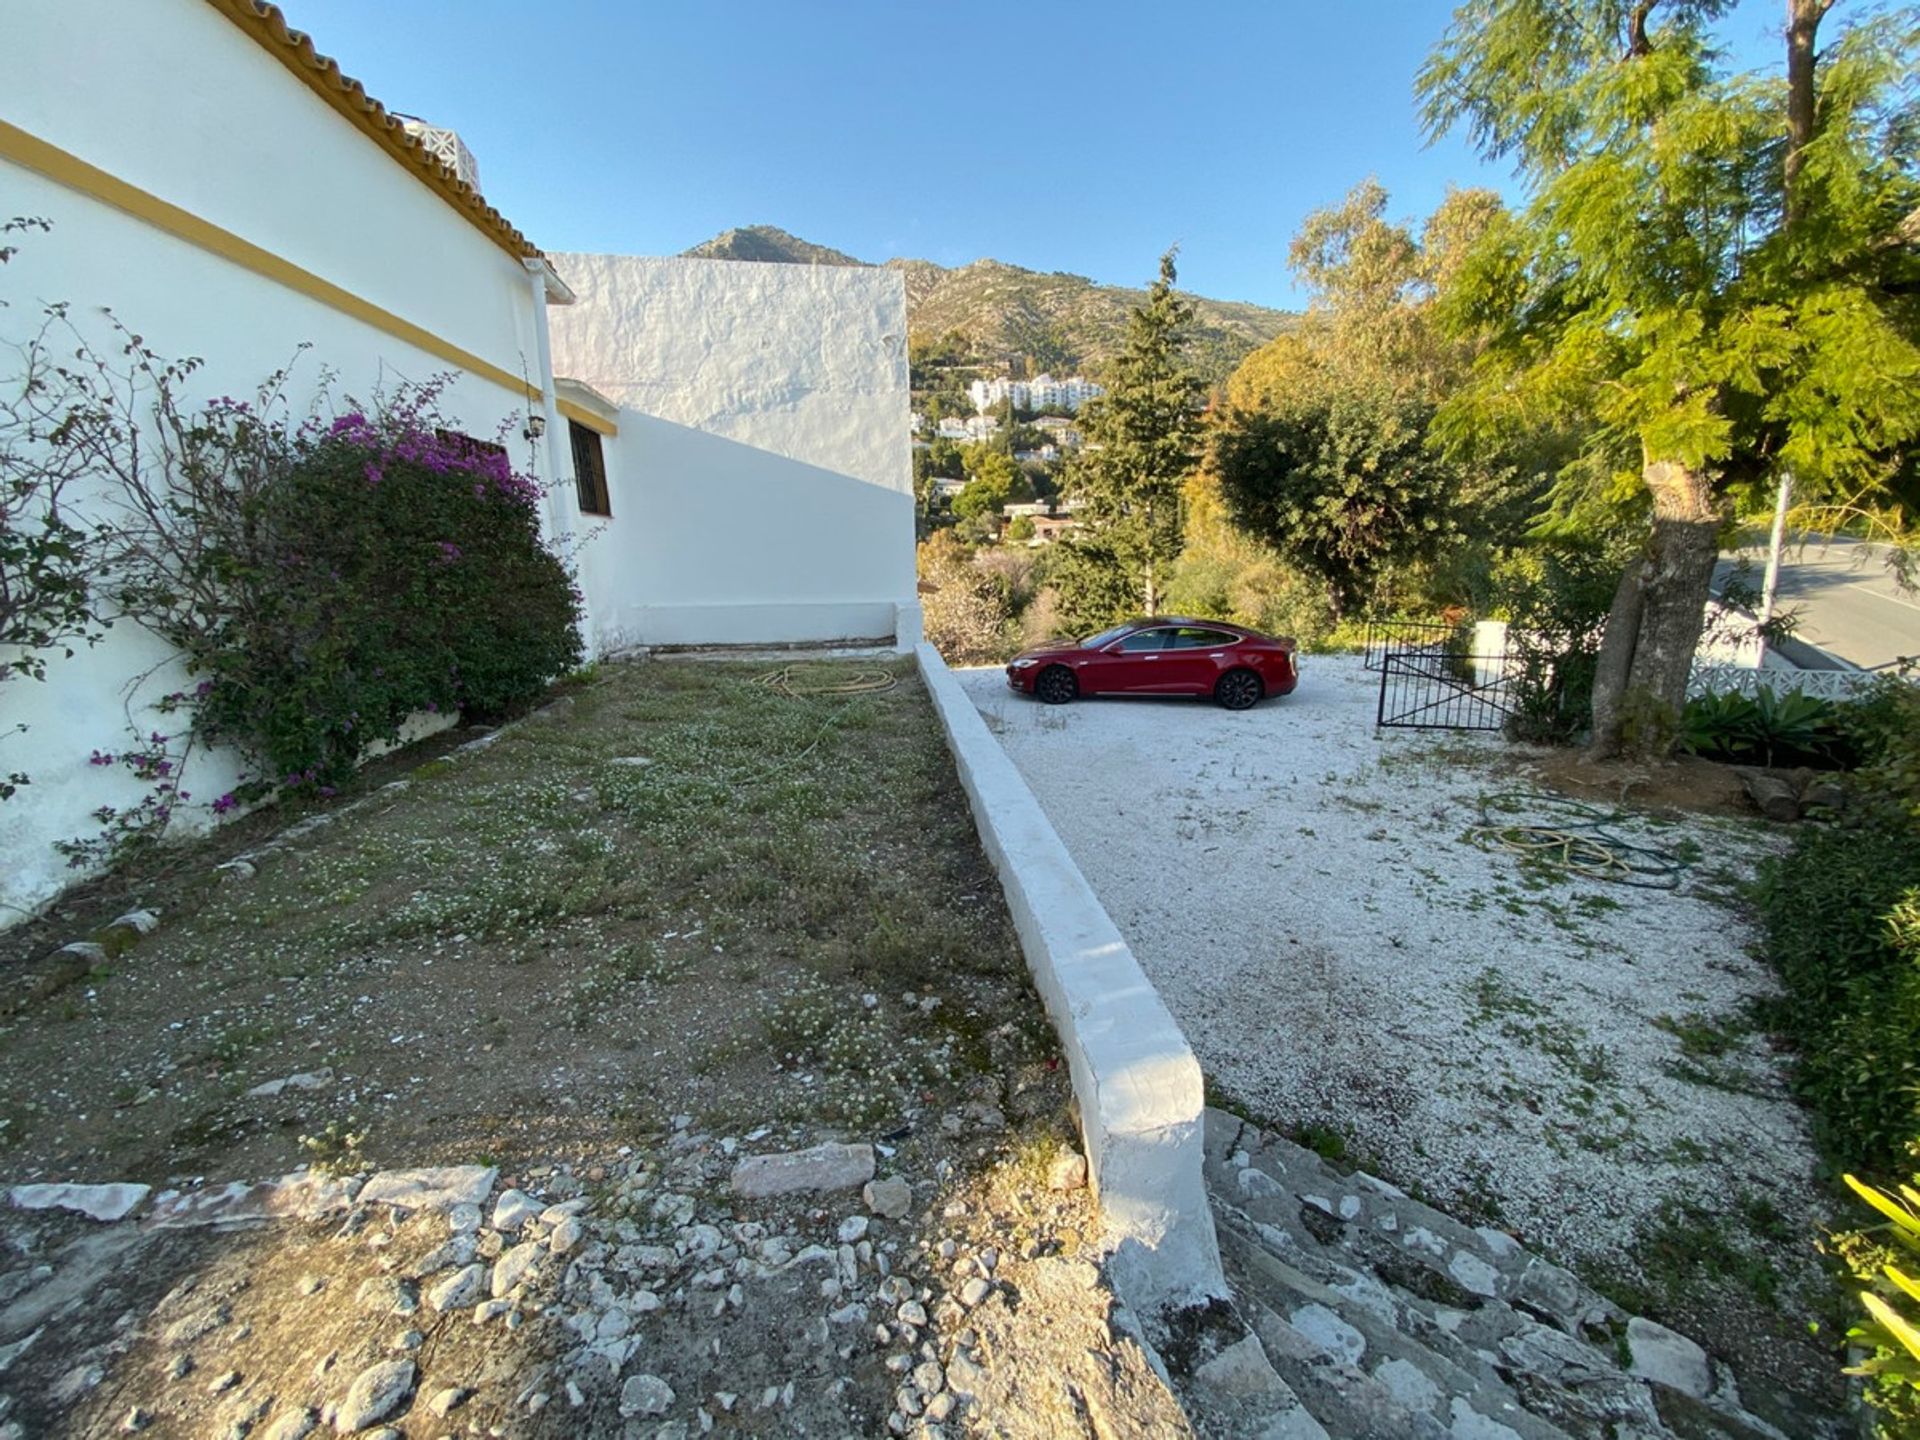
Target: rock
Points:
x,y
824,1167
974,1291
566,1235
294,1425
490,1310
458,1290
1470,1424
463,1219
513,1209
1474,1274
964,1377
141,922
940,1407
1667,1358
912,1313
386,1295
433,1188
1068,1172
1328,1331
852,1229
96,1202
86,951
1773,796
448,1399
889,1199
645,1395
137,1420
306,1080
1242,1369
514,1266
376,1393
1551,1292
1408,1384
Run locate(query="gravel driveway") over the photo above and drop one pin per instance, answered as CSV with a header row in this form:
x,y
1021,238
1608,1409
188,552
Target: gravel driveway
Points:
x,y
1569,1060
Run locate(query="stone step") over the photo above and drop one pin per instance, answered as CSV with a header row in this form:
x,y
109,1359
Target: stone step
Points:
x,y
1384,1317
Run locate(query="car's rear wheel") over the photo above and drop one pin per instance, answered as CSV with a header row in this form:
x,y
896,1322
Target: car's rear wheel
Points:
x,y
1238,690
1055,685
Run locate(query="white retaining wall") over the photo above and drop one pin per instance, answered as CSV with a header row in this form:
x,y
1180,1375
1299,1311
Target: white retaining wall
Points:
x,y
1137,1082
761,482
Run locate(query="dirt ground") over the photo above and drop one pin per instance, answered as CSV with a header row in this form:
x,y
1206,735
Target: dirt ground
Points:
x,y
681,916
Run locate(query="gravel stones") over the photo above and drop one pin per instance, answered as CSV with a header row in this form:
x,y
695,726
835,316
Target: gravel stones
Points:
x,y
376,1393
566,1235
432,1188
821,1168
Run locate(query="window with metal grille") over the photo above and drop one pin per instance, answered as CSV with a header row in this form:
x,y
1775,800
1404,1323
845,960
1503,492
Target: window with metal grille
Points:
x,y
589,470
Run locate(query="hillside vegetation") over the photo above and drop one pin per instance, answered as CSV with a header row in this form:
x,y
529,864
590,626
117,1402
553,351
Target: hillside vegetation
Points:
x,y
1057,321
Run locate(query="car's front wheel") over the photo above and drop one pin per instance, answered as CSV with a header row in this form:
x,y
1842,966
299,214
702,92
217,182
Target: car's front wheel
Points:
x,y
1238,690
1055,685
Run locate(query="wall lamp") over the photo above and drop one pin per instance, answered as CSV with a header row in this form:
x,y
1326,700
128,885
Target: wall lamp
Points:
x,y
536,427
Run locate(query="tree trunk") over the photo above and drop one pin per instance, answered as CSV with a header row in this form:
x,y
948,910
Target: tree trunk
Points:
x,y
1646,656
1803,29
1615,659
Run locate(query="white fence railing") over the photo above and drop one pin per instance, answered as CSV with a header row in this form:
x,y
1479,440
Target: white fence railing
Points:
x,y
1744,680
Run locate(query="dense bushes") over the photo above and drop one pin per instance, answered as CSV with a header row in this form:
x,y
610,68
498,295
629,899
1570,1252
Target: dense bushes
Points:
x,y
1840,913
327,580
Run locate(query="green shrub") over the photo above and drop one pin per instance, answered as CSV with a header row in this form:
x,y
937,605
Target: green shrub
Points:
x,y
1842,918
1554,597
326,580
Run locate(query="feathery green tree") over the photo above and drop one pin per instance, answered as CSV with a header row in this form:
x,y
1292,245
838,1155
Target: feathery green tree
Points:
x,y
1717,277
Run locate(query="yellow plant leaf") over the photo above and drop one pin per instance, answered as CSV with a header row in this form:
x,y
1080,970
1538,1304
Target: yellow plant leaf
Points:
x,y
1906,1283
1896,1324
1884,1203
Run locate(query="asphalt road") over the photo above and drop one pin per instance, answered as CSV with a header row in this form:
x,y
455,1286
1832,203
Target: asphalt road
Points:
x,y
1847,602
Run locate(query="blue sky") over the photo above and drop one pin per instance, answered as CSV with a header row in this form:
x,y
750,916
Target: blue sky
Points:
x,y
1070,136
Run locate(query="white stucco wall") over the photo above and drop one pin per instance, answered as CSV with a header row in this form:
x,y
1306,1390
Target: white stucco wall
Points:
x,y
761,482
170,96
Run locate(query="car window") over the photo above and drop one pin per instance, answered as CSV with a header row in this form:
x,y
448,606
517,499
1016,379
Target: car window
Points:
x,y
1143,640
1105,637
1193,638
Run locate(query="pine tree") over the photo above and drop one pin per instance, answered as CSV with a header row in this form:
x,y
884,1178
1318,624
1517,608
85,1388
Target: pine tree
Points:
x,y
1142,438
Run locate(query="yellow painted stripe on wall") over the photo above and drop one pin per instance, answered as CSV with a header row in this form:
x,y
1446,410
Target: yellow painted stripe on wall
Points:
x,y
585,416
33,153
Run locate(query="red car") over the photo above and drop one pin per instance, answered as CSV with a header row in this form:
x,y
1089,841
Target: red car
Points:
x,y
1162,656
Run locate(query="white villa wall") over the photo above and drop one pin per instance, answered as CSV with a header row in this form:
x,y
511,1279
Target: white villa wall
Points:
x,y
170,96
761,483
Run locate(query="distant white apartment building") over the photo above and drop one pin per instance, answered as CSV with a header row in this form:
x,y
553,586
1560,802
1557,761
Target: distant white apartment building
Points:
x,y
973,427
1043,392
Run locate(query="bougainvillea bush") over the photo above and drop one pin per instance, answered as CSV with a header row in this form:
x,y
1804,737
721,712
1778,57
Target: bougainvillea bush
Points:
x,y
324,580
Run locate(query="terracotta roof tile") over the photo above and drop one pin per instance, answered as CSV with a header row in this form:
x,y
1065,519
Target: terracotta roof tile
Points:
x,y
322,74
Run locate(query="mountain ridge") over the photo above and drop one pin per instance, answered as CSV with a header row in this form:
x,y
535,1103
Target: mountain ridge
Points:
x,y
1052,320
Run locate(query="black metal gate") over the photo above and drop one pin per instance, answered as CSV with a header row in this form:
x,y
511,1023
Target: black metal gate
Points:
x,y
1435,676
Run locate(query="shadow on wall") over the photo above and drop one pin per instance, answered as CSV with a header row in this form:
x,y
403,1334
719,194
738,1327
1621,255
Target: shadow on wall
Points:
x,y
716,542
